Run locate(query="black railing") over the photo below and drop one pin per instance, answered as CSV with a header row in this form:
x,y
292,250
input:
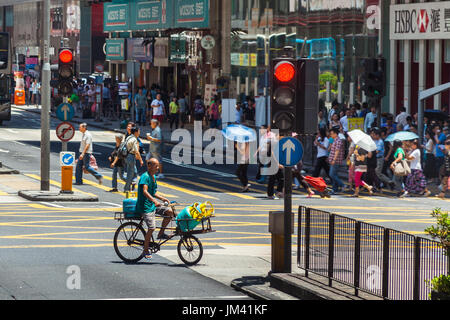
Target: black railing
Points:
x,y
384,262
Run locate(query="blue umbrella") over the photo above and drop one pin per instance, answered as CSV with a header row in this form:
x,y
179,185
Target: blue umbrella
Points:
x,y
239,133
402,136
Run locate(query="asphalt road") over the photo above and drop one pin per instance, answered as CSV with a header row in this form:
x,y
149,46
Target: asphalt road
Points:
x,y
40,241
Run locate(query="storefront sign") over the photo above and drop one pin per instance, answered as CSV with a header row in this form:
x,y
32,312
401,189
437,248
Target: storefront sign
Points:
x,y
138,49
420,21
177,49
191,13
150,15
116,16
161,52
115,49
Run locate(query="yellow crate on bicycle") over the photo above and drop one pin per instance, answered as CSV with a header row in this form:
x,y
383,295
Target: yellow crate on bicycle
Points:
x,y
204,210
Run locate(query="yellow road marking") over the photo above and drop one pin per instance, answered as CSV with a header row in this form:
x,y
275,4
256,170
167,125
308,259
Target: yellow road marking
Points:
x,y
57,184
124,194
235,194
187,191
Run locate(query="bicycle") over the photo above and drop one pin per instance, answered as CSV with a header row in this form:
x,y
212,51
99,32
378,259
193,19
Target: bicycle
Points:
x,y
129,239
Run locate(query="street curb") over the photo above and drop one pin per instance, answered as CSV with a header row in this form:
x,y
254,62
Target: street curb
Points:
x,y
259,288
53,196
305,288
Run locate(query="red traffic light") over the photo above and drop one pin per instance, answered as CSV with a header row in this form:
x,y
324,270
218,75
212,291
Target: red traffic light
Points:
x,y
66,56
284,71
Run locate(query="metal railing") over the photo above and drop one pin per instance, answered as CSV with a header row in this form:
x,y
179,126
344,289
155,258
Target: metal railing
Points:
x,y
380,261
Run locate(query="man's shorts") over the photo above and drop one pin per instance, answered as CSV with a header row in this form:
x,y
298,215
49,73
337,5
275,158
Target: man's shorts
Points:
x,y
150,217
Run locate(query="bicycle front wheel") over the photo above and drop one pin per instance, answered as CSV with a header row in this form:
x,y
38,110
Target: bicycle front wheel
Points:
x,y
129,242
190,250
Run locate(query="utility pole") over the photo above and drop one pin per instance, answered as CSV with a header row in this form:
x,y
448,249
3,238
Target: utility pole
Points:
x,y
45,111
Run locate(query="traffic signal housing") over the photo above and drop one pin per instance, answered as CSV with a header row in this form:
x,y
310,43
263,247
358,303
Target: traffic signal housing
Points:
x,y
65,71
285,80
374,77
295,99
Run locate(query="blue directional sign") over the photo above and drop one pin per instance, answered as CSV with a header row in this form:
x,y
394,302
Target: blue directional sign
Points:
x,y
65,112
67,158
290,152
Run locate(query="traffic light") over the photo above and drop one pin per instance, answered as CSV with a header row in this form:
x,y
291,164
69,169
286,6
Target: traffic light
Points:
x,y
65,71
295,105
285,81
374,77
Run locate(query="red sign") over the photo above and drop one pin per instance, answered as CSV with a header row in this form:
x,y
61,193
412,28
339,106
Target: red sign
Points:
x,y
65,131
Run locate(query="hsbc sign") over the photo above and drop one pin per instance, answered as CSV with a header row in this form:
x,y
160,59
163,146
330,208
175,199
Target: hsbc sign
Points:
x,y
420,21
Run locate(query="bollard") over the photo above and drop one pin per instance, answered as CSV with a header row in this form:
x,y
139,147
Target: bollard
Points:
x,y
276,228
66,179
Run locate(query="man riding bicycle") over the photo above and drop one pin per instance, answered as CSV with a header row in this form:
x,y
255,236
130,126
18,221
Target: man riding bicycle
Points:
x,y
149,206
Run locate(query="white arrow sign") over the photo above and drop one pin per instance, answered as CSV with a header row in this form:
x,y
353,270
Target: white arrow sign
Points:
x,y
65,109
289,147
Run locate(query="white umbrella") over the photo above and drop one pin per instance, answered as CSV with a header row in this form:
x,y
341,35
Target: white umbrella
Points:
x,y
363,140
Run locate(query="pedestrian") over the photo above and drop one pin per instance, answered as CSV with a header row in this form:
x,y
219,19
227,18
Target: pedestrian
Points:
x,y
35,86
132,146
140,102
351,164
214,113
335,160
445,172
380,154
107,107
439,140
430,160
243,162
86,150
402,117
276,177
335,122
415,182
371,117
360,169
199,108
158,108
399,155
155,148
184,109
239,114
322,144
174,113
117,164
297,174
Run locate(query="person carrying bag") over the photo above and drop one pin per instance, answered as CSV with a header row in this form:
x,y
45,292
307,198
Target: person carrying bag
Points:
x,y
399,166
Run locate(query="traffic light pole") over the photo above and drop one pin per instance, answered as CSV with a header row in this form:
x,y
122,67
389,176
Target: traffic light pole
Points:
x,y
45,111
287,219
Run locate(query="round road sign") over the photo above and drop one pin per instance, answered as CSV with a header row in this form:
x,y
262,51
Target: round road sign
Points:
x,y
65,131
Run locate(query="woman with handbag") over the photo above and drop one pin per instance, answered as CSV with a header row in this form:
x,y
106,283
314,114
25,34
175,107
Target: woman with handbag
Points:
x,y
415,182
399,166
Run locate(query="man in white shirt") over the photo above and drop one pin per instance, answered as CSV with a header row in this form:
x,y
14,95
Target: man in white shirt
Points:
x,y
344,120
158,108
371,117
84,159
401,118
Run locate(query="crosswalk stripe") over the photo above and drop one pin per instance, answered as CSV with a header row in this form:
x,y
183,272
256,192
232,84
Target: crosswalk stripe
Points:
x,y
235,194
57,184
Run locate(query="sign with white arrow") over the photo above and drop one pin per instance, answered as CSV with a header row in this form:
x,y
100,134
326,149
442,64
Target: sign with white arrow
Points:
x,y
65,112
290,152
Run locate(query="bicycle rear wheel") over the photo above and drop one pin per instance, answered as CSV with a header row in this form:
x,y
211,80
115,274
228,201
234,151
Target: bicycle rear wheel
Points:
x,y
190,250
129,242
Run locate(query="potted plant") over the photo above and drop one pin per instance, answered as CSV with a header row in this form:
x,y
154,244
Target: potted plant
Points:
x,y
440,286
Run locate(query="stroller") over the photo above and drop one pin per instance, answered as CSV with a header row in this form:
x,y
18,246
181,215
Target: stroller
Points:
x,y
319,184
